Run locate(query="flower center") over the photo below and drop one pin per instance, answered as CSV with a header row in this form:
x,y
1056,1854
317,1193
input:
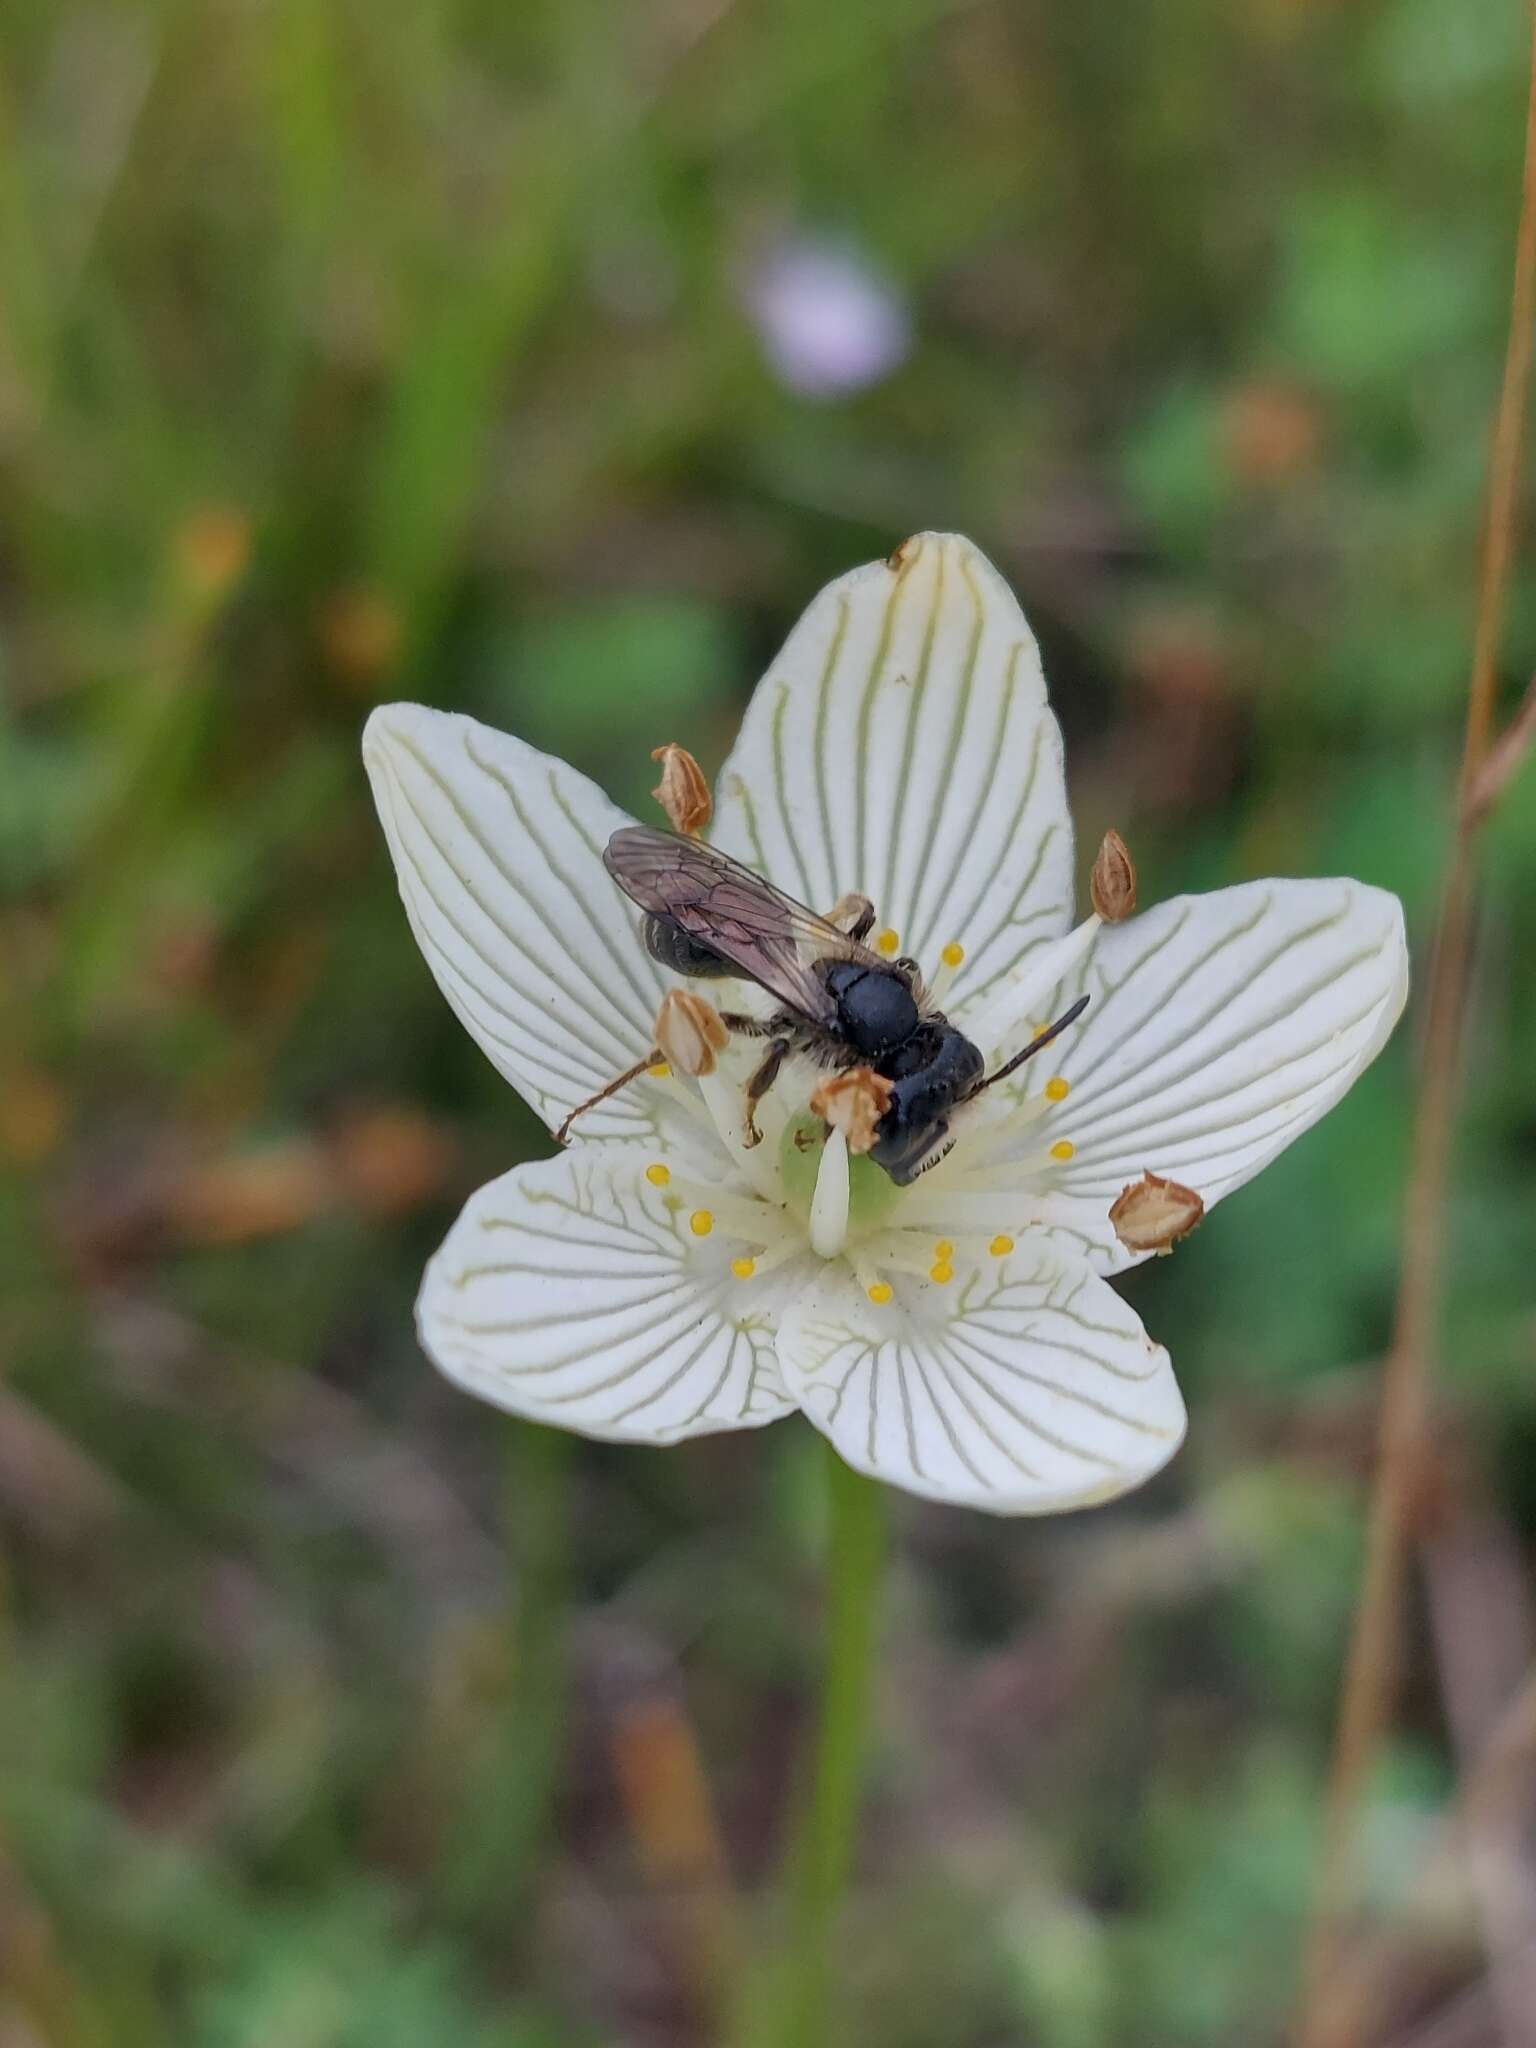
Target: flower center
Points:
x,y
802,1188
872,1194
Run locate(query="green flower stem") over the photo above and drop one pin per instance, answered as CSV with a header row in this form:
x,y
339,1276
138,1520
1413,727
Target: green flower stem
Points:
x,y
823,1853
510,1800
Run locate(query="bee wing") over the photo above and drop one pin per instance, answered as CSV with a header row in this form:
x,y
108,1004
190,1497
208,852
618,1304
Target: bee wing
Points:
x,y
769,937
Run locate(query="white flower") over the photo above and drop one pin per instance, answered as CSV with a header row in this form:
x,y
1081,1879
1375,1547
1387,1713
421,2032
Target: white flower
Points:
x,y
958,1337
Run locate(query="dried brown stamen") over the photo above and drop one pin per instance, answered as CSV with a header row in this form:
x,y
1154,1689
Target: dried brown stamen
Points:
x,y
1152,1214
1112,884
852,913
682,791
690,1031
853,1103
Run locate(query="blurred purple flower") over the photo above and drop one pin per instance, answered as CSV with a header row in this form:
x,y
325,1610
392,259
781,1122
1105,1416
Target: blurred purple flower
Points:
x,y
829,322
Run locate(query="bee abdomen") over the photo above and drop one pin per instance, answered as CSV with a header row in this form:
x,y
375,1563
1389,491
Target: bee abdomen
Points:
x,y
667,942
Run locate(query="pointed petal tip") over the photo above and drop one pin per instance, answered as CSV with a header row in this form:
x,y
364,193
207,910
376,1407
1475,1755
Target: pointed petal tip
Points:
x,y
1397,935
389,724
906,552
926,766
930,550
1369,901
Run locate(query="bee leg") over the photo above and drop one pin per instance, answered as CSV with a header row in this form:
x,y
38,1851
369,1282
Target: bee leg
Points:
x,y
743,1026
630,1074
762,1080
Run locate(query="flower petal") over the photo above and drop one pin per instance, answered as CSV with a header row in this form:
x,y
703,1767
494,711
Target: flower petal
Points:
x,y
498,852
1221,1027
574,1292
901,746
1028,1389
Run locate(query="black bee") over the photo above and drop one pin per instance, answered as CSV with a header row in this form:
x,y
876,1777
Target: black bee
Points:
x,y
708,917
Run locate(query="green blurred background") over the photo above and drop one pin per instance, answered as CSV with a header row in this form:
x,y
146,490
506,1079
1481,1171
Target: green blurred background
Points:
x,y
541,360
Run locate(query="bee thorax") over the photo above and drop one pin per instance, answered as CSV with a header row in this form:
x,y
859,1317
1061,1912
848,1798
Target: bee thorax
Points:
x,y
876,1009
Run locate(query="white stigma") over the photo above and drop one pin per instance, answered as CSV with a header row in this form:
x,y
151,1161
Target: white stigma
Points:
x,y
829,1204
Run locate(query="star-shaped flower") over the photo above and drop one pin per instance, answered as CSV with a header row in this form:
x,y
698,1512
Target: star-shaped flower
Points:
x,y
662,1278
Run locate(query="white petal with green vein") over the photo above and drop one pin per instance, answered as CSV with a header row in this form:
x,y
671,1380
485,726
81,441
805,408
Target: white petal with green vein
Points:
x,y
957,1337
498,852
901,745
572,1291
1221,1028
1032,1389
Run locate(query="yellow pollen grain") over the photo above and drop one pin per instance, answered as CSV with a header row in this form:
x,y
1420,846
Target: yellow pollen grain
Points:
x,y
701,1223
943,1272
1000,1246
660,1072
1063,1149
880,1293
658,1175
943,1250
953,954
743,1268
888,943
1057,1089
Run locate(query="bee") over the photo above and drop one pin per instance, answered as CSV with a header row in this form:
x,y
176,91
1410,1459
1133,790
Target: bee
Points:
x,y
840,1004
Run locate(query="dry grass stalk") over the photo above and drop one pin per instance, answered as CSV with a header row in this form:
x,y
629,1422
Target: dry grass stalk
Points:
x,y
1371,1673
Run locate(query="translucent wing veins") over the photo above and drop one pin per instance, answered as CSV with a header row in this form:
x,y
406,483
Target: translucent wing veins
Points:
x,y
767,936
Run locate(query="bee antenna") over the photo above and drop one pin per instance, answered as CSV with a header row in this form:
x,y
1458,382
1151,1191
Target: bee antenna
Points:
x,y
630,1074
1035,1045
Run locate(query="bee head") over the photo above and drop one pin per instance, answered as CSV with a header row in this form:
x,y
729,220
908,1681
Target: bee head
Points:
x,y
908,1152
913,1135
